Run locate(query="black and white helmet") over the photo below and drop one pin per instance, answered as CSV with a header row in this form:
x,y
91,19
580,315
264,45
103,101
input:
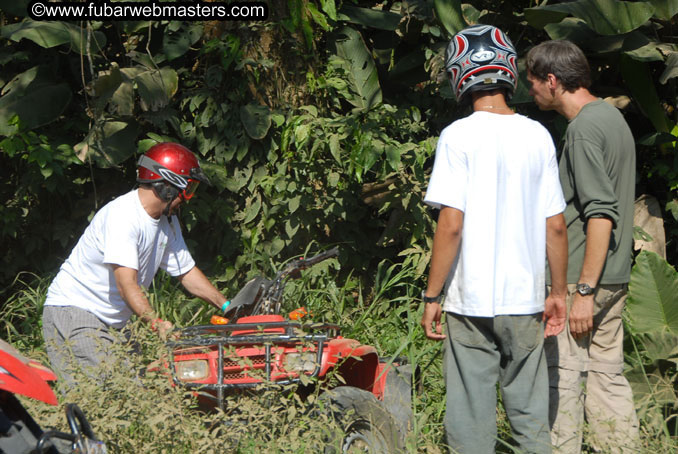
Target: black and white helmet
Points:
x,y
481,57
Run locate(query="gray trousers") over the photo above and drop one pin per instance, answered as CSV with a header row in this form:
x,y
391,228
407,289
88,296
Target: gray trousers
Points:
x,y
481,352
78,342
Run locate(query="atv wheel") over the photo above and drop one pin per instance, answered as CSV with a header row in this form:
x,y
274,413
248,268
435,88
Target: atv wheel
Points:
x,y
365,424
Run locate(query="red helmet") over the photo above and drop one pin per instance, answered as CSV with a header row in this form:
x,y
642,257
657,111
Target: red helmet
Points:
x,y
172,163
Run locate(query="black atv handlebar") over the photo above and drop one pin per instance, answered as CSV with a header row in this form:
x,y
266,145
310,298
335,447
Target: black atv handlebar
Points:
x,y
302,264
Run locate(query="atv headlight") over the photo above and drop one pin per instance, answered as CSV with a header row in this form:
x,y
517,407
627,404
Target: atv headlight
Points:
x,y
192,370
300,362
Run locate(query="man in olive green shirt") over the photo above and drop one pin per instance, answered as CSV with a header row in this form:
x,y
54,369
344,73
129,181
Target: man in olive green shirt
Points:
x,y
597,174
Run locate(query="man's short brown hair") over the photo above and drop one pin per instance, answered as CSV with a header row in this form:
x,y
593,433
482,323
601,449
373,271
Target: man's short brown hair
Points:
x,y
564,60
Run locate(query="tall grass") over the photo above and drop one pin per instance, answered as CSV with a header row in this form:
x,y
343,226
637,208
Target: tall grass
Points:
x,y
149,415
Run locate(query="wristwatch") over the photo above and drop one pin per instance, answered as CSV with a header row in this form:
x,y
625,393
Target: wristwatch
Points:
x,y
431,299
585,289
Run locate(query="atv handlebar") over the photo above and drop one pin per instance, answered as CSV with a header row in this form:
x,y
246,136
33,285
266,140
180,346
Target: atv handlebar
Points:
x,y
302,264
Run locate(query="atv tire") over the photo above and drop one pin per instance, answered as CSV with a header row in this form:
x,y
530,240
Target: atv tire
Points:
x,y
366,426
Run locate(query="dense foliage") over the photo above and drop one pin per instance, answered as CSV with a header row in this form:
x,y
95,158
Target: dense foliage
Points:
x,y
316,127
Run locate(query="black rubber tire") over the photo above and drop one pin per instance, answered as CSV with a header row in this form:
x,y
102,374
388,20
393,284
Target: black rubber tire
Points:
x,y
365,424
398,397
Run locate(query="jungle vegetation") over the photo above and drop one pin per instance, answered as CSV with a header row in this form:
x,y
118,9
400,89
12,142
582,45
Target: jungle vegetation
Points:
x,y
317,127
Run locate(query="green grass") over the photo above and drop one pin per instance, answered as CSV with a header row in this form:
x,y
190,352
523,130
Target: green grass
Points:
x,y
148,415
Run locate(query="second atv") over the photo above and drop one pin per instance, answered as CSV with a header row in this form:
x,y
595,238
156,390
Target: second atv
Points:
x,y
257,347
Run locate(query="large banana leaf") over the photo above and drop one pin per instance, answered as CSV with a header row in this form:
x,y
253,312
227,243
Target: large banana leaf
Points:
x,y
640,83
665,9
572,29
653,295
361,69
372,18
605,17
35,97
450,15
51,34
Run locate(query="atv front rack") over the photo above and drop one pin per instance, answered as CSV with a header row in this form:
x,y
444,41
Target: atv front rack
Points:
x,y
221,337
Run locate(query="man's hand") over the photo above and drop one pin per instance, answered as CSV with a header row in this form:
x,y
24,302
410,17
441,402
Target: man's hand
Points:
x,y
430,321
581,315
555,314
163,327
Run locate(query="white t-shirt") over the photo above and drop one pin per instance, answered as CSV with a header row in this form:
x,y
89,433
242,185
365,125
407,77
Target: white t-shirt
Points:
x,y
121,233
501,171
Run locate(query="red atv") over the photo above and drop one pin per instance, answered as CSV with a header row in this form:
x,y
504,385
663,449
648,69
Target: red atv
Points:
x,y
259,347
19,433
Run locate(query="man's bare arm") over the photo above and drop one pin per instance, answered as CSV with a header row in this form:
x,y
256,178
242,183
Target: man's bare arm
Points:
x,y
445,248
134,297
555,306
197,284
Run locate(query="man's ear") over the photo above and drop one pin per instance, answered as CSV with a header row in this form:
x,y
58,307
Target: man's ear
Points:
x,y
552,81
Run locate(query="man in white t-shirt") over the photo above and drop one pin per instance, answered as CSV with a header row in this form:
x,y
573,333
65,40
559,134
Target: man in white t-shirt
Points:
x,y
100,286
495,181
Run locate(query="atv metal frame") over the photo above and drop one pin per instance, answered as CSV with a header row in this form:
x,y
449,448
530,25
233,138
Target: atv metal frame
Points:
x,y
221,336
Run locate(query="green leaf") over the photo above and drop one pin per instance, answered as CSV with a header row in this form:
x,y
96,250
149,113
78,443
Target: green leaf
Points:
x,y
335,148
372,18
654,386
672,206
301,134
605,17
156,87
572,29
330,8
291,227
293,203
665,9
660,346
362,71
656,138
115,88
256,119
639,47
252,210
214,76
640,83
653,295
450,16
318,17
278,119
109,144
393,156
671,69
51,34
540,17
35,98
177,43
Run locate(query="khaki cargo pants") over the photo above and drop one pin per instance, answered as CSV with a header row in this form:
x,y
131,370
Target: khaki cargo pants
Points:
x,y
586,381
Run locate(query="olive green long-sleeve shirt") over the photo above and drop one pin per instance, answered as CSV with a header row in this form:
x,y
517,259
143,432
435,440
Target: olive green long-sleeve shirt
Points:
x,y
597,173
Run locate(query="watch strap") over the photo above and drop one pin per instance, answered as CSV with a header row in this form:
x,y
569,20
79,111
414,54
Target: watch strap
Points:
x,y
431,299
585,289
